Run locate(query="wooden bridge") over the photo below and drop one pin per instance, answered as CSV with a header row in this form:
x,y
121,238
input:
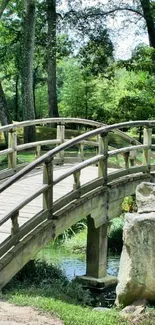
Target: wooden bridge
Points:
x,y
41,200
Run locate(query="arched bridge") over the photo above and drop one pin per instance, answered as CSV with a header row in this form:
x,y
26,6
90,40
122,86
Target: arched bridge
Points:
x,y
42,199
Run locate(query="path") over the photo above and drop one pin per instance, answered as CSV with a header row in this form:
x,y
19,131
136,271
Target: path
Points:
x,y
28,185
17,315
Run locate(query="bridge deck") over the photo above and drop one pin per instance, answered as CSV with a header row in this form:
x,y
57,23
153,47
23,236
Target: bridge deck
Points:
x,y
19,191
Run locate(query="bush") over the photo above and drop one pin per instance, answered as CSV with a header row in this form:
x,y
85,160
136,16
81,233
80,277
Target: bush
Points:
x,y
115,241
46,280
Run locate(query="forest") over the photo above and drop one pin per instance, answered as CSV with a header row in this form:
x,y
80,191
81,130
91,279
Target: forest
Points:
x,y
57,59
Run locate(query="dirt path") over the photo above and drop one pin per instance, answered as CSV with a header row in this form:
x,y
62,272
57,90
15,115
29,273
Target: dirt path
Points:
x,y
17,315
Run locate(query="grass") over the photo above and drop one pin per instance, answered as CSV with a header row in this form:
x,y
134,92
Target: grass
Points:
x,y
69,313
46,287
55,296
77,242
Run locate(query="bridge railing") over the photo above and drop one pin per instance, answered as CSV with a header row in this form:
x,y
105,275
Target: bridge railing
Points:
x,y
50,208
14,148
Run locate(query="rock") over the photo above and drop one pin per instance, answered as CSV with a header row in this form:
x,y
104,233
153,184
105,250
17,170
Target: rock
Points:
x,y
103,309
136,278
145,197
137,308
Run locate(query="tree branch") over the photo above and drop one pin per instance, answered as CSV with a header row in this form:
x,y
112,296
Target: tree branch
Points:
x,y
3,6
97,12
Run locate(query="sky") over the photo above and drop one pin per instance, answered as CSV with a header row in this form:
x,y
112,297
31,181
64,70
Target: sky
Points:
x,y
124,39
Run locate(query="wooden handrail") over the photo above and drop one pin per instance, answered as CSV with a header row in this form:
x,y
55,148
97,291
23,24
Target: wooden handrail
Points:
x,y
59,120
78,167
101,159
66,145
23,203
126,149
35,144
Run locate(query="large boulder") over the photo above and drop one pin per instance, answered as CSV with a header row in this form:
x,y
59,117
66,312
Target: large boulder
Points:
x,y
136,278
145,197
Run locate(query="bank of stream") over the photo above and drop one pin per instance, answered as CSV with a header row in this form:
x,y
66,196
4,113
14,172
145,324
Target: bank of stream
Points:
x,y
73,264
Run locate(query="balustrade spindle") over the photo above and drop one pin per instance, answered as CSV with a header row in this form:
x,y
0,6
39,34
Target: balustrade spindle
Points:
x,y
48,195
12,143
103,164
76,184
61,137
81,151
126,159
15,225
133,155
38,151
147,140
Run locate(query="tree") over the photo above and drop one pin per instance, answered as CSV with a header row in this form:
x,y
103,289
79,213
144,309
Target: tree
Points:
x,y
96,55
148,13
136,9
51,58
4,114
27,68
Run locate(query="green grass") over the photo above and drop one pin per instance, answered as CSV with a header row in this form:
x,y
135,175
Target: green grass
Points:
x,y
46,287
77,242
69,313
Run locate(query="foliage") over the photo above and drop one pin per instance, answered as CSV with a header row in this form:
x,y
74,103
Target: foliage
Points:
x,y
49,281
76,243
45,286
129,204
95,56
115,241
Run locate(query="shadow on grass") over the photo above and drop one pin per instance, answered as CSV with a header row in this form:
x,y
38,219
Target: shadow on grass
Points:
x,y
41,279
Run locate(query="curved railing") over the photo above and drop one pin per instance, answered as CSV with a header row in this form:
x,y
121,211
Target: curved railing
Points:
x,y
50,207
14,148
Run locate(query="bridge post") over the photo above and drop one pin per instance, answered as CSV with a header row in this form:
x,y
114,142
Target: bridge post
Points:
x,y
97,239
96,255
81,151
76,184
38,151
103,150
12,143
48,195
61,137
147,140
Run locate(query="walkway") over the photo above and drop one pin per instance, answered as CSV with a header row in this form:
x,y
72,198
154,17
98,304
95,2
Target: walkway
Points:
x,y
38,204
28,185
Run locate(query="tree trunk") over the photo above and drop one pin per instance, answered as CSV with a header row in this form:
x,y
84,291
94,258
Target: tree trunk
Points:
x,y
3,6
16,113
27,69
4,113
148,16
51,59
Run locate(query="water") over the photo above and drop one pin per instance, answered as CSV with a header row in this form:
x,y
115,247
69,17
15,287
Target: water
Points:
x,y
73,264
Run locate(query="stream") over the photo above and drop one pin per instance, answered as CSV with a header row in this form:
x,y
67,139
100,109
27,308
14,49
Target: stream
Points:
x,y
73,264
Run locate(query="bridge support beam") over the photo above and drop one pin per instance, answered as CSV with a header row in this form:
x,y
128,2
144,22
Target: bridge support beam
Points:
x,y
96,259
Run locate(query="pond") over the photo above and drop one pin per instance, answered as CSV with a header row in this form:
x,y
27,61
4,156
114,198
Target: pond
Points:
x,y
73,264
